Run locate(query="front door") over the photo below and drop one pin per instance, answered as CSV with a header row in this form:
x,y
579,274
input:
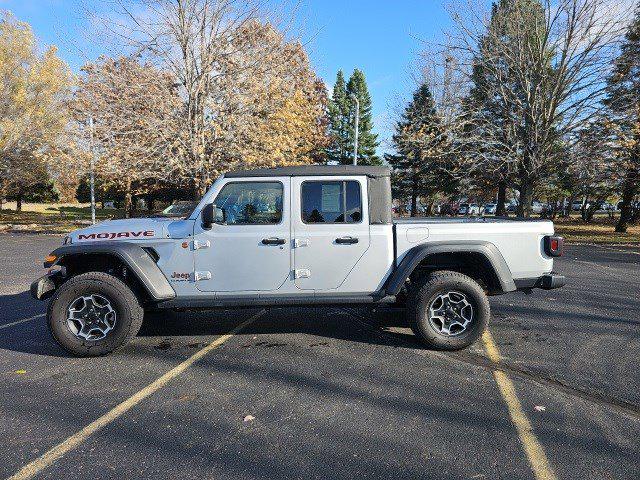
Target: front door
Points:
x,y
251,249
330,228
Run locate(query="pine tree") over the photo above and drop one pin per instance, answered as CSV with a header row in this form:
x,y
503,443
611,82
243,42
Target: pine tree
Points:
x,y
367,140
622,102
338,113
490,116
504,130
421,146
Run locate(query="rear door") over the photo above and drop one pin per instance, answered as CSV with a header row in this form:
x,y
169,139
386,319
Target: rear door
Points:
x,y
251,251
330,226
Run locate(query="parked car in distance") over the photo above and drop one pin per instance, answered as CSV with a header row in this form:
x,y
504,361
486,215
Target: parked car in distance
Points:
x,y
537,207
605,207
469,209
448,209
179,209
474,209
490,208
576,206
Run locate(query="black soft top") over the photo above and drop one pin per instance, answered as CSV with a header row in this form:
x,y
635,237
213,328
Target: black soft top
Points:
x,y
313,170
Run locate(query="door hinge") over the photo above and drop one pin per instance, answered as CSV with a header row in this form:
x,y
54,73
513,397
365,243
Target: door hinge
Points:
x,y
197,244
202,276
301,242
302,273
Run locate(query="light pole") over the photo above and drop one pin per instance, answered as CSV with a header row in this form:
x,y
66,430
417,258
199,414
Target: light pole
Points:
x,y
355,137
92,180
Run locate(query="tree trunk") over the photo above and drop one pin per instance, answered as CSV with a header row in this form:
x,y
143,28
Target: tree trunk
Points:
x,y
569,206
19,202
583,210
429,210
127,199
414,195
629,192
553,212
502,198
589,213
198,188
526,197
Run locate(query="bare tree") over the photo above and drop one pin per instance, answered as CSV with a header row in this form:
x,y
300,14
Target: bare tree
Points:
x,y
543,64
590,166
441,72
134,109
201,42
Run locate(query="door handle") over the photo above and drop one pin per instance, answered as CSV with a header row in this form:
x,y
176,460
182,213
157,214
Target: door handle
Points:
x,y
346,240
273,241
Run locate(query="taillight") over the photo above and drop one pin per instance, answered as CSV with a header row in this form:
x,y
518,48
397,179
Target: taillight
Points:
x,y
553,246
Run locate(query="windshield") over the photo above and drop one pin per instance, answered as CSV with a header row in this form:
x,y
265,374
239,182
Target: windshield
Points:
x,y
180,209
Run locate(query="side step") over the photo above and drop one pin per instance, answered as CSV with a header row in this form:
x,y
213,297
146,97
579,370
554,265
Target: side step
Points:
x,y
250,301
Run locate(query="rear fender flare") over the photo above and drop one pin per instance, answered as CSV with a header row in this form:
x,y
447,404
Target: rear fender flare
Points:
x,y
419,253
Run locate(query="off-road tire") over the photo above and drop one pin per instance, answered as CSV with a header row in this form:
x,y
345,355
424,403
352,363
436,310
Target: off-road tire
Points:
x,y
129,313
425,290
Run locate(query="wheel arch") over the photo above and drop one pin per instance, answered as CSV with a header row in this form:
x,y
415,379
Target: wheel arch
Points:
x,y
480,260
140,264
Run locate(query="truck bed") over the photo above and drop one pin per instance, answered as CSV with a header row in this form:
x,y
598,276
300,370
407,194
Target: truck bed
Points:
x,y
520,241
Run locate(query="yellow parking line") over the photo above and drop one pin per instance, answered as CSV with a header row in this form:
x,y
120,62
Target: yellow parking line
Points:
x,y
7,325
47,459
540,465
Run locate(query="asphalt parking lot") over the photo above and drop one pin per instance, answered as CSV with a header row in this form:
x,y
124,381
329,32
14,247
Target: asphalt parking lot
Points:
x,y
552,392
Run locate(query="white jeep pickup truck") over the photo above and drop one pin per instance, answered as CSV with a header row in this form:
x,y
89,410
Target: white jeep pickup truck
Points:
x,y
305,235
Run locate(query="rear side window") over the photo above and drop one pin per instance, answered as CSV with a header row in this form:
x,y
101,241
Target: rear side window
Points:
x,y
251,203
331,202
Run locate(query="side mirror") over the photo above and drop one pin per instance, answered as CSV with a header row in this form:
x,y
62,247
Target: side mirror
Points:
x,y
212,214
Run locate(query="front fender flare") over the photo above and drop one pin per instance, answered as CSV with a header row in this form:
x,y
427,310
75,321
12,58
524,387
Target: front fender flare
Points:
x,y
417,254
132,255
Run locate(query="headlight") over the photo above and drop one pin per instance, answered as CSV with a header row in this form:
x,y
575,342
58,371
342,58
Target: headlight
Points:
x,y
67,240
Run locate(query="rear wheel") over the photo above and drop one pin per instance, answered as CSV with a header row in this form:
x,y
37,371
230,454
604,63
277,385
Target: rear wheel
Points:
x,y
448,310
93,314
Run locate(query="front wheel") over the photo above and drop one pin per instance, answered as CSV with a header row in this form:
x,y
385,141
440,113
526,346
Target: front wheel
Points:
x,y
93,314
448,310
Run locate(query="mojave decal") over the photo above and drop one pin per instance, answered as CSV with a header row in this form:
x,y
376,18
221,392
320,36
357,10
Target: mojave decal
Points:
x,y
112,235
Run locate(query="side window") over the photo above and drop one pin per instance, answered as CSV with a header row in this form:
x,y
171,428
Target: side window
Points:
x,y
251,203
331,202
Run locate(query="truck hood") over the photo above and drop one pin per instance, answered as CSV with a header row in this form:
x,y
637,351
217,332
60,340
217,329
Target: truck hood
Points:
x,y
133,229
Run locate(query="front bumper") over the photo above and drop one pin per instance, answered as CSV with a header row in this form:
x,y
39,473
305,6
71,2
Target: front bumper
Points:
x,y
548,281
44,287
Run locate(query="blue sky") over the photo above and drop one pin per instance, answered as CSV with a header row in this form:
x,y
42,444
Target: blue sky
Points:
x,y
383,38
